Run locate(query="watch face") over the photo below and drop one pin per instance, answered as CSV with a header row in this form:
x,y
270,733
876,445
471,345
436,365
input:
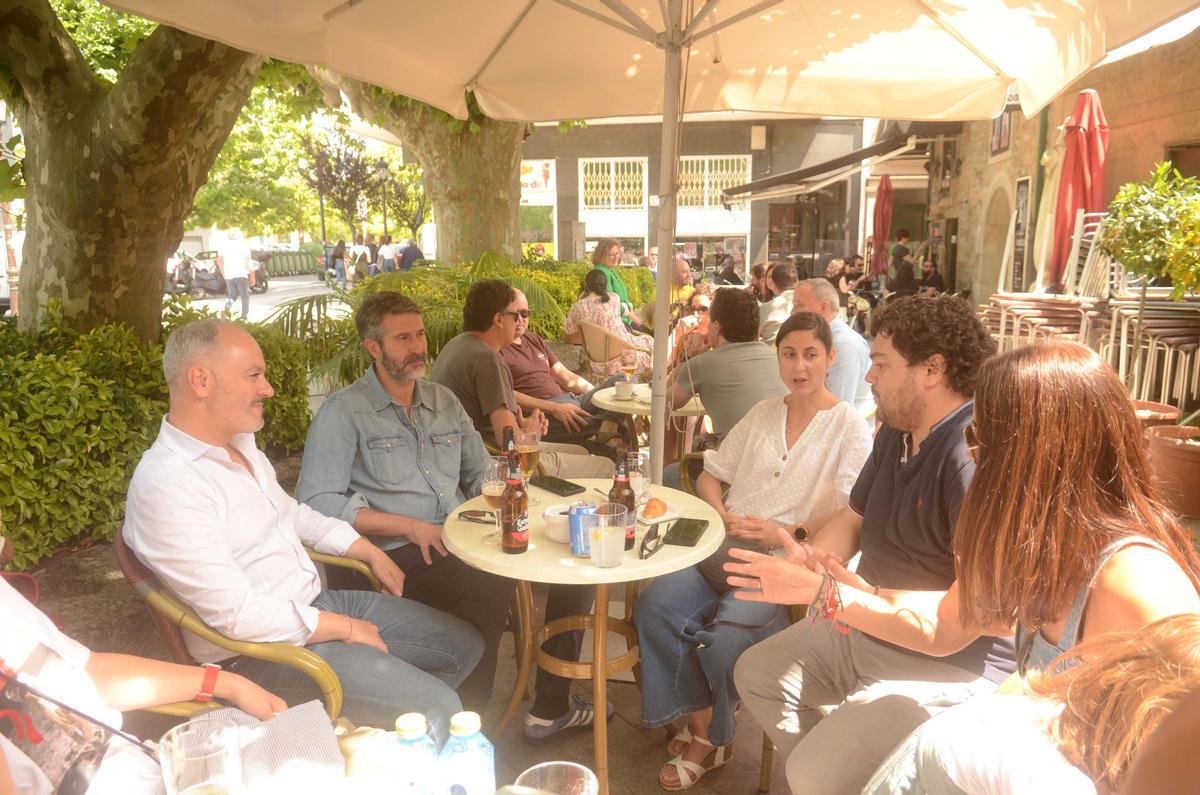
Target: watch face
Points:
x,y
801,533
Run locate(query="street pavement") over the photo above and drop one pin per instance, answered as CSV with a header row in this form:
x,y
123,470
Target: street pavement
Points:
x,y
280,290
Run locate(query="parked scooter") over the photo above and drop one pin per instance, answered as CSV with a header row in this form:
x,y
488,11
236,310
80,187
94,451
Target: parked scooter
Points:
x,y
199,277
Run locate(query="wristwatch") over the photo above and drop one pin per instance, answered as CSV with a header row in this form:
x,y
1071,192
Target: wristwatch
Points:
x,y
800,533
210,681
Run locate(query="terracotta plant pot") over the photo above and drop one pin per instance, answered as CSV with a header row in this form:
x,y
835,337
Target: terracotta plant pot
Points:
x,y
1151,414
1175,458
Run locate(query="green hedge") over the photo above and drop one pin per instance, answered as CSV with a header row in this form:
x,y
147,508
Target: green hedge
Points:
x,y
564,280
77,410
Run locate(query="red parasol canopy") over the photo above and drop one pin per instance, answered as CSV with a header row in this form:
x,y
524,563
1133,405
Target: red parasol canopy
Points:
x,y
882,227
1082,182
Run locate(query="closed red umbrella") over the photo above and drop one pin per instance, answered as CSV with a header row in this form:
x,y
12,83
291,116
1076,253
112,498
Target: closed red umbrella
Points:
x,y
882,227
1082,182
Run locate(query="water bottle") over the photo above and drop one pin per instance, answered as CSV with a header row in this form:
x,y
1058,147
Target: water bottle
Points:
x,y
468,761
414,757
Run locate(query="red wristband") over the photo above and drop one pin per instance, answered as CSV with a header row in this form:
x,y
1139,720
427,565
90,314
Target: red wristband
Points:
x,y
210,681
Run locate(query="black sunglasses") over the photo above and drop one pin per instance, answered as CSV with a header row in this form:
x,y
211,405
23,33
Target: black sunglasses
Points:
x,y
651,543
518,313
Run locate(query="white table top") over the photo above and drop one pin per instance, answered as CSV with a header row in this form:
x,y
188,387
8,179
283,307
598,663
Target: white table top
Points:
x,y
550,562
640,402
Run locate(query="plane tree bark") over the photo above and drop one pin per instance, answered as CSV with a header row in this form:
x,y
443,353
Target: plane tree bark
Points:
x,y
472,168
111,171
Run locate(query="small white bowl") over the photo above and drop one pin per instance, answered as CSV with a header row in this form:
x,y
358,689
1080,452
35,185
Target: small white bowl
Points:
x,y
557,527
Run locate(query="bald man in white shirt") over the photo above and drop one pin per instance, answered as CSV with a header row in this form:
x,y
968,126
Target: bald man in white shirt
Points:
x,y
207,515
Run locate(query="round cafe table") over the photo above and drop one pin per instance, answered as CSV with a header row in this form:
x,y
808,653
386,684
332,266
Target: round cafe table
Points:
x,y
639,405
547,561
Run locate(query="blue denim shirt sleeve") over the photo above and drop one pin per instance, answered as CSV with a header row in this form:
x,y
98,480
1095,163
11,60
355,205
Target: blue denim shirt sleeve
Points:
x,y
365,450
327,465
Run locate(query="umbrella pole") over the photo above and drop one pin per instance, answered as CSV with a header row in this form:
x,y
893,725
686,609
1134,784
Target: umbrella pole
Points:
x,y
668,177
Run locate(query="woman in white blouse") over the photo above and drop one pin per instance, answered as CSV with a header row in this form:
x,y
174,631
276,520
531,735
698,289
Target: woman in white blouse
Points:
x,y
790,460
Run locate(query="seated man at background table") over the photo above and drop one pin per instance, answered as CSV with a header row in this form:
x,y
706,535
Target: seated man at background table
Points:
x,y
207,516
470,366
681,291
771,313
847,378
394,455
541,381
731,378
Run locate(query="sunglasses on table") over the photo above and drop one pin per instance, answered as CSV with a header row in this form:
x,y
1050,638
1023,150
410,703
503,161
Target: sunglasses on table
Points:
x,y
651,543
479,517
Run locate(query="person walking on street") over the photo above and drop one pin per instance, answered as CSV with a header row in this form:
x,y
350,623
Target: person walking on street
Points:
x,y
233,260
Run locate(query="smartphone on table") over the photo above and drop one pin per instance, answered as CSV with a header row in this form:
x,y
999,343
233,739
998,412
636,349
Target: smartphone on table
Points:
x,y
563,488
686,532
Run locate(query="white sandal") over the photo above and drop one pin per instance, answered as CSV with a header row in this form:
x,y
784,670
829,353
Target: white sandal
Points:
x,y
695,771
684,736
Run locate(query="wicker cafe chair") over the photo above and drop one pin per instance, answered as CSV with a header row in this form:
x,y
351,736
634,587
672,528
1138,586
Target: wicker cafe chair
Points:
x,y
601,347
173,617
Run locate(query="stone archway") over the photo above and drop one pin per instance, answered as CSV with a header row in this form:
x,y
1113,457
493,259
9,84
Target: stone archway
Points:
x,y
993,236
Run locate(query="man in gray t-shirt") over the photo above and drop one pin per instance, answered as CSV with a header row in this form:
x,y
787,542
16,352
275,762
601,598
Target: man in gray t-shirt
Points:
x,y
737,373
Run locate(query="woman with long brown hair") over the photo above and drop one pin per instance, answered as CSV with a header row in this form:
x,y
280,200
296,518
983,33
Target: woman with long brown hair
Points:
x,y
1061,535
1075,731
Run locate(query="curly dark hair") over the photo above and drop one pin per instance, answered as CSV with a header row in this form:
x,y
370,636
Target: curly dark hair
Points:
x,y
920,326
484,300
737,312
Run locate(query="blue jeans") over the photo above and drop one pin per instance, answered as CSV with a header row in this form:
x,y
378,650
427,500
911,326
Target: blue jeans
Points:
x,y
690,637
339,273
429,654
235,287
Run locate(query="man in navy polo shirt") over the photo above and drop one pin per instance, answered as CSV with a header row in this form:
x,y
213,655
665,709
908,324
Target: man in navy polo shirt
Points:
x,y
837,703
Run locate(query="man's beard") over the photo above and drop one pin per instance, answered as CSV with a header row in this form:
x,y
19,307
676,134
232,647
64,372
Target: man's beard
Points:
x,y
399,371
903,412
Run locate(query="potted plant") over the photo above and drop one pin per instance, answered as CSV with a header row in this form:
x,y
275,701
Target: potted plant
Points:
x,y
1153,230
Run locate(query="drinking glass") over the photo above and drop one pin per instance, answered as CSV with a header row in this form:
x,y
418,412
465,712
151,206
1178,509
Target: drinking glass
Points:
x,y
202,757
528,453
560,778
638,466
495,478
608,535
629,365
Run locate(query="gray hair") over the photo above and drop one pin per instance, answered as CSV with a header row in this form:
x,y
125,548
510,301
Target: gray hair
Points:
x,y
187,344
822,290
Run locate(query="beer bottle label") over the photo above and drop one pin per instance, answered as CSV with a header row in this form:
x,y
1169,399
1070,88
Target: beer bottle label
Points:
x,y
520,528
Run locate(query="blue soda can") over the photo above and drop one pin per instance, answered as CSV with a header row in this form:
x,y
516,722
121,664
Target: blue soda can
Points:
x,y
580,528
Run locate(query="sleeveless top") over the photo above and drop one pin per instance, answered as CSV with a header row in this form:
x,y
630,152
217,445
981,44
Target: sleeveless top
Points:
x,y
1034,651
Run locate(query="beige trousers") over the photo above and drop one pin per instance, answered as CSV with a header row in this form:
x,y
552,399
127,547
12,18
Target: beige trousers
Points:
x,y
836,705
573,461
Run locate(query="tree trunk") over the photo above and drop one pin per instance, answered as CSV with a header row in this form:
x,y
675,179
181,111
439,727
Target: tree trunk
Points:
x,y
472,178
112,173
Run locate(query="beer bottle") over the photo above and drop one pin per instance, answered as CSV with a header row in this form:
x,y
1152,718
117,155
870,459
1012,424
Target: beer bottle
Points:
x,y
622,494
509,443
514,509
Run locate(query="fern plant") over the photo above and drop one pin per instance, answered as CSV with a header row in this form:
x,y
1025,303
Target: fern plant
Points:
x,y
325,323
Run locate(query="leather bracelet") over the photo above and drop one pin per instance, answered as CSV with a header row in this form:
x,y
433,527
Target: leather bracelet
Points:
x,y
349,629
210,682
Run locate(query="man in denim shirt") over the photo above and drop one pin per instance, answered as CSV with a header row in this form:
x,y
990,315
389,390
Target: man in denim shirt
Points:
x,y
393,455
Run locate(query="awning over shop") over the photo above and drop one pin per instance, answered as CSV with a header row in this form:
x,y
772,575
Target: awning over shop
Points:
x,y
812,178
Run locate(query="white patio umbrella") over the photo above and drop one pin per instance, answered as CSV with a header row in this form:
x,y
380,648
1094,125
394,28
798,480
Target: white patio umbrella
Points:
x,y
546,60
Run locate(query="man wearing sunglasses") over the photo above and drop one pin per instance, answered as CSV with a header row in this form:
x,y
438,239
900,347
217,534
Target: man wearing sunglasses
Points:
x,y
541,382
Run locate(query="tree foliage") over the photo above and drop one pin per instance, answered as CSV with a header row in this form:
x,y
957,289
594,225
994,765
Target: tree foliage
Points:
x,y
407,204
337,166
256,183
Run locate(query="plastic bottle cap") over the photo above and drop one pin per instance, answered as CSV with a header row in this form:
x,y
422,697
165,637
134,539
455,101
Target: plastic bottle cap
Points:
x,y
464,724
411,725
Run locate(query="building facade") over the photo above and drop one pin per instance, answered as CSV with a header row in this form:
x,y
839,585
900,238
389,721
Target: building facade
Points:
x,y
602,180
981,177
